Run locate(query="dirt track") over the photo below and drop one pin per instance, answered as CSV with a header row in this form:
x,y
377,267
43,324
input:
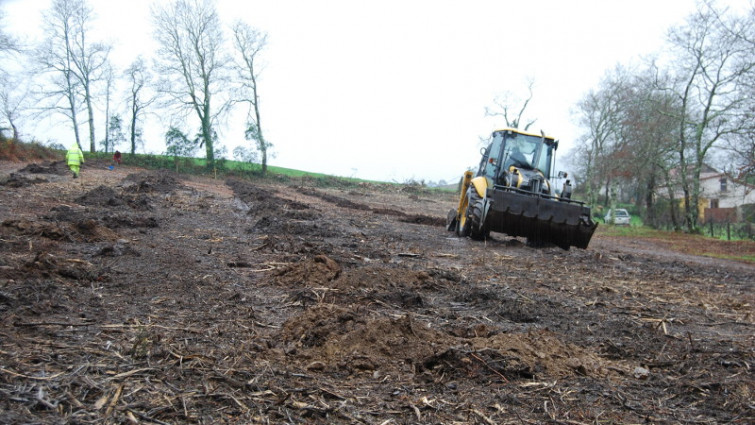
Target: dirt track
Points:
x,y
129,296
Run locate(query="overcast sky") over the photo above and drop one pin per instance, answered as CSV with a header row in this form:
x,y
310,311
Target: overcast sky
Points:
x,y
396,90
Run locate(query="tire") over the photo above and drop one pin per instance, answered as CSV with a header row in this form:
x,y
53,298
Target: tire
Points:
x,y
474,212
463,224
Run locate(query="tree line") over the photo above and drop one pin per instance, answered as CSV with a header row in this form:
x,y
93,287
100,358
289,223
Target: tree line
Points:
x,y
201,71
650,130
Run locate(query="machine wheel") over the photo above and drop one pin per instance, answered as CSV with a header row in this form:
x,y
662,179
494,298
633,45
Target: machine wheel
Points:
x,y
463,223
475,210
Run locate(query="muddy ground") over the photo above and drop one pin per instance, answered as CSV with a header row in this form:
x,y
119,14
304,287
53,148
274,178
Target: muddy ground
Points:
x,y
145,297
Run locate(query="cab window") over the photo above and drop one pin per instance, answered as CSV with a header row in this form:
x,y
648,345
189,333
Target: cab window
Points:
x,y
491,160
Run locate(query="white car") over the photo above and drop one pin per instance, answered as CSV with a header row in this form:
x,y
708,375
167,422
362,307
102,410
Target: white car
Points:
x,y
621,217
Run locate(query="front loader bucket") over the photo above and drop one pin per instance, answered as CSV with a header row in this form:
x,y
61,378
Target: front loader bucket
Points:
x,y
542,220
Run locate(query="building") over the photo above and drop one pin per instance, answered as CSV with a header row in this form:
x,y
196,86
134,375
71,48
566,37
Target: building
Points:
x,y
722,197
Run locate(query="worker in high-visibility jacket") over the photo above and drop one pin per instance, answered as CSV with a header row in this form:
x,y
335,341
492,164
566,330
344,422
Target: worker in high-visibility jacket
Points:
x,y
74,158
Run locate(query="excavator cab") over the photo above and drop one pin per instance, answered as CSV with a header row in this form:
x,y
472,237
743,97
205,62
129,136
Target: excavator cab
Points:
x,y
510,150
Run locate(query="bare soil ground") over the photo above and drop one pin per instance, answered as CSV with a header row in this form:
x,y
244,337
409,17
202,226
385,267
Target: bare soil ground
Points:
x,y
133,296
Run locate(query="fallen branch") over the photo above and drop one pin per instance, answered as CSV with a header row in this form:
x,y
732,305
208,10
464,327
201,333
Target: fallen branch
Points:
x,y
64,324
726,323
35,378
129,373
416,411
475,356
147,417
114,400
483,417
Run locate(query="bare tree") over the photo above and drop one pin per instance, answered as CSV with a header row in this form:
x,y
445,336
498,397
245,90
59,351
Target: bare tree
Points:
x,y
8,43
14,91
505,107
248,43
191,62
75,64
714,60
741,146
55,56
14,102
115,132
653,130
743,155
600,114
138,77
109,83
651,135
630,141
90,60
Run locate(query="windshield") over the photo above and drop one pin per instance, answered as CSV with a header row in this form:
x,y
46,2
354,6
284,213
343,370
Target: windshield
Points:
x,y
528,152
493,151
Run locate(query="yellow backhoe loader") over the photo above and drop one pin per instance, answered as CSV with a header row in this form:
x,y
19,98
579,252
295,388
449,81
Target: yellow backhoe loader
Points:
x,y
512,193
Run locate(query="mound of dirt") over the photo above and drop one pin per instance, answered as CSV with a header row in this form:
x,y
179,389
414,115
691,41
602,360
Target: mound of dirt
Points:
x,y
262,202
82,230
338,201
38,228
35,174
161,181
340,340
104,196
101,196
541,354
317,272
56,167
249,193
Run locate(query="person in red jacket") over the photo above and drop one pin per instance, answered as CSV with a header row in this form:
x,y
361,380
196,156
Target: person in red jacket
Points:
x,y
117,158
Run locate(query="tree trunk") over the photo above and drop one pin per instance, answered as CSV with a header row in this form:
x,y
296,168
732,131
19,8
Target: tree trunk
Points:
x,y
694,211
74,121
208,142
107,119
133,129
672,211
608,195
612,199
15,130
590,191
650,215
90,111
260,138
